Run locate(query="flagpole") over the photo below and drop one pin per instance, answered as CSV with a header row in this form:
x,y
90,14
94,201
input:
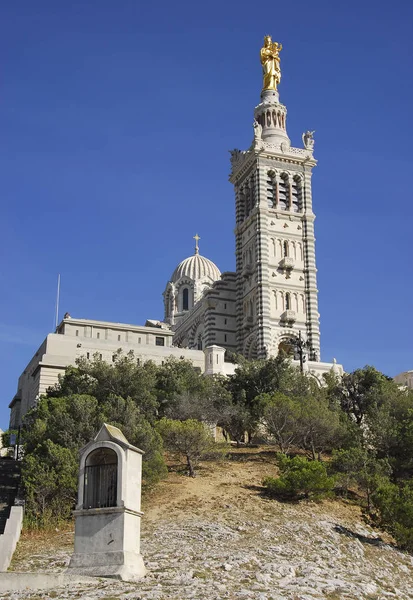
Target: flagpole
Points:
x,y
57,302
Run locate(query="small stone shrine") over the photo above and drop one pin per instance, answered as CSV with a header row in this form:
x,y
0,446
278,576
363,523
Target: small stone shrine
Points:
x,y
108,515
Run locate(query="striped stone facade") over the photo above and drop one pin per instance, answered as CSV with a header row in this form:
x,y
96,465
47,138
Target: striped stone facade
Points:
x,y
212,321
276,283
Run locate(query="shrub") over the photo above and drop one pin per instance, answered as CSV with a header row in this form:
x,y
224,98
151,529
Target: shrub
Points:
x,y
5,437
394,505
360,467
300,478
49,476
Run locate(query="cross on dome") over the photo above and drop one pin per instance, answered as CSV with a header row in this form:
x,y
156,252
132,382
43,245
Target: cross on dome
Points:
x,y
196,238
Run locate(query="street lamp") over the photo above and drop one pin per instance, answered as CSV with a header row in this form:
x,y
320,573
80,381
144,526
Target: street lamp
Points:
x,y
302,348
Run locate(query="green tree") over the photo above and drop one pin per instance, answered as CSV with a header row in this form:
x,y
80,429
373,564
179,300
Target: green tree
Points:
x,y
389,428
359,467
280,419
49,476
125,377
175,379
358,391
236,420
394,505
70,422
299,478
257,377
206,403
190,439
319,427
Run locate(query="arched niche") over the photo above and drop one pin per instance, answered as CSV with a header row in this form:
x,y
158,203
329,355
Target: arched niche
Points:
x,y
101,479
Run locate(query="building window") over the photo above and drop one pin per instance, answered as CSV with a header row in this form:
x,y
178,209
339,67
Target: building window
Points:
x,y
98,335
77,332
271,189
285,248
100,356
185,299
296,195
225,337
283,194
160,341
225,321
87,355
162,363
288,301
113,357
225,306
138,361
118,338
139,340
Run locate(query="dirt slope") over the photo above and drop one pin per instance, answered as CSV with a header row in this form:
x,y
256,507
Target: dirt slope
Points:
x,y
217,537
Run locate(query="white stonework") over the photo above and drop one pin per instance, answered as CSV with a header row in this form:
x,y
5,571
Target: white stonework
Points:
x,y
190,280
108,512
275,244
405,378
10,536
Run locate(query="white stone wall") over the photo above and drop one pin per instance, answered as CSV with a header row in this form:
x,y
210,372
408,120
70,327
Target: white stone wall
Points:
x,y
10,537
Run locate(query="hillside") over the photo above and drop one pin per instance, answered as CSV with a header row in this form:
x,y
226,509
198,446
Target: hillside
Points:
x,y
217,536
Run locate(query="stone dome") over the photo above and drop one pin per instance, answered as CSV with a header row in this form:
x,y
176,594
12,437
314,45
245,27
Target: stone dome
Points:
x,y
196,267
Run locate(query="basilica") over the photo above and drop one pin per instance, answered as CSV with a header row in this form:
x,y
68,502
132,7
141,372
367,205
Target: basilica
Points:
x,y
270,302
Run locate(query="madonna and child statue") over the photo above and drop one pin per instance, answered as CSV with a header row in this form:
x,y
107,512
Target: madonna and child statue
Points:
x,y
270,60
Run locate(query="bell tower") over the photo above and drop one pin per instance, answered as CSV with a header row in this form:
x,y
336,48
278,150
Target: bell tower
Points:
x,y
276,283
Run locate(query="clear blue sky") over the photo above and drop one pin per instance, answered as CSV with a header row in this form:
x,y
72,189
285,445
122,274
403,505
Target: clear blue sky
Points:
x,y
116,121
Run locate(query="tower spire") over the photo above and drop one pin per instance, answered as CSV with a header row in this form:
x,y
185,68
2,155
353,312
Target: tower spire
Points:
x,y
270,115
196,238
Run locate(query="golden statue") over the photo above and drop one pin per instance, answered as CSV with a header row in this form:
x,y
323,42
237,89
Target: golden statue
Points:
x,y
270,61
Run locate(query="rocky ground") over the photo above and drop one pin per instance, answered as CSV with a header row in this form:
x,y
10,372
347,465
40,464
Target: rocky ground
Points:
x,y
217,536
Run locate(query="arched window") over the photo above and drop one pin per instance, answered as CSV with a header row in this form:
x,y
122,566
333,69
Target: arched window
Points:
x,y
288,301
270,193
283,192
199,344
285,248
101,479
296,195
185,299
